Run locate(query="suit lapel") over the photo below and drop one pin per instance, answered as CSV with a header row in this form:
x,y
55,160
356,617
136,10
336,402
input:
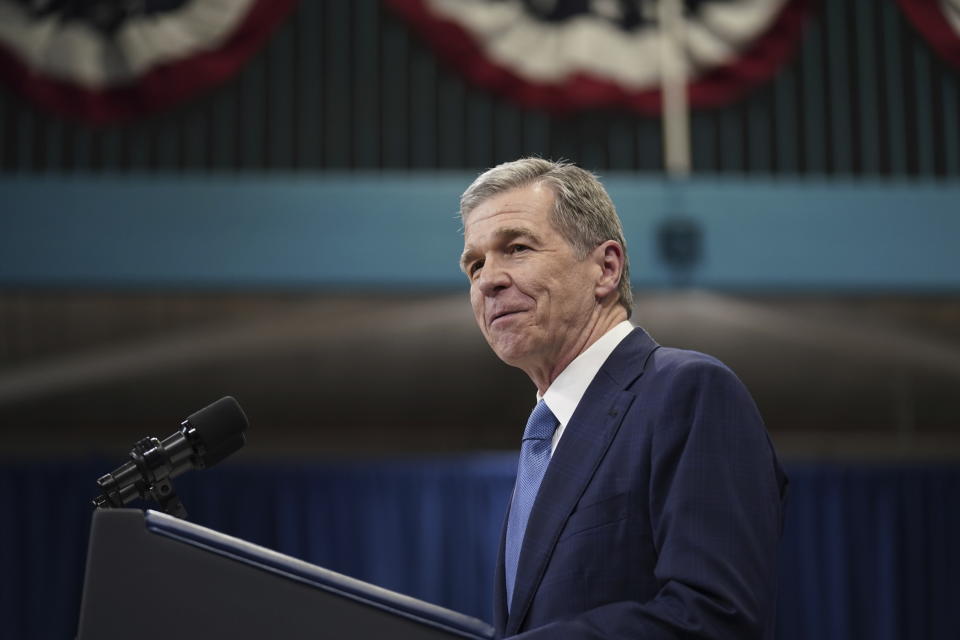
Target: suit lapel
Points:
x,y
584,443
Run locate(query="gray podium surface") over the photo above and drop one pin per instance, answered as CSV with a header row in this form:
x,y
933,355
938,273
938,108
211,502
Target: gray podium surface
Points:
x,y
151,576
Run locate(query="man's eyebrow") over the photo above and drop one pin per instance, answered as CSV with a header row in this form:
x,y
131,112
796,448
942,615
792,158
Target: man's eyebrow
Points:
x,y
502,236
510,233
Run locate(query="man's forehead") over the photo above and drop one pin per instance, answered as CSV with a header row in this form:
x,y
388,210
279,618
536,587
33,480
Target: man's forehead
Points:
x,y
535,198
507,219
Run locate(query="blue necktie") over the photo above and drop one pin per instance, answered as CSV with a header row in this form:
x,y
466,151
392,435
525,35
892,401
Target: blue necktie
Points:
x,y
534,458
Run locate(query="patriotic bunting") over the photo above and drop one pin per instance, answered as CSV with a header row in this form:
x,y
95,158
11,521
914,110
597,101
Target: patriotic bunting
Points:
x,y
103,61
565,55
939,22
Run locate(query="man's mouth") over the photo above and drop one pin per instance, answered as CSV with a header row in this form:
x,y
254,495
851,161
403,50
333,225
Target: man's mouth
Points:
x,y
504,314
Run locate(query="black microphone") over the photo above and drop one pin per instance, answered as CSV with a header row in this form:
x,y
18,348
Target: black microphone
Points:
x,y
204,439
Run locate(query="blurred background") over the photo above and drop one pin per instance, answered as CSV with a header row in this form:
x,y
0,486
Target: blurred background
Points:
x,y
258,199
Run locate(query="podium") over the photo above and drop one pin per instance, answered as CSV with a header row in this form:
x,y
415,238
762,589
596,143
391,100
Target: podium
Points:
x,y
152,576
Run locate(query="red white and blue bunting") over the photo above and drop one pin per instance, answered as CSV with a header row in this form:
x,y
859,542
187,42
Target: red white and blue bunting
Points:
x,y
105,61
939,22
564,55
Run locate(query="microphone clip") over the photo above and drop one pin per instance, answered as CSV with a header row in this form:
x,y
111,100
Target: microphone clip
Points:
x,y
153,468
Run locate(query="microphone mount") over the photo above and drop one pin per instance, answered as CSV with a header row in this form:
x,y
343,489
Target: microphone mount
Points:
x,y
204,438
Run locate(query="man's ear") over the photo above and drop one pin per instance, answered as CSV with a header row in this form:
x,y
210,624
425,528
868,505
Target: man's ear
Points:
x,y
609,257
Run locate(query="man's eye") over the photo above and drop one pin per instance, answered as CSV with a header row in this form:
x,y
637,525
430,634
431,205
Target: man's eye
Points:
x,y
517,248
475,267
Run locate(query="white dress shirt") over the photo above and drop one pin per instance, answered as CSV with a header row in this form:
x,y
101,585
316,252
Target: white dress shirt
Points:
x,y
565,392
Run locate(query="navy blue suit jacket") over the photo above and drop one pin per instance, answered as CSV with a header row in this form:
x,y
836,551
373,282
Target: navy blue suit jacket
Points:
x,y
660,513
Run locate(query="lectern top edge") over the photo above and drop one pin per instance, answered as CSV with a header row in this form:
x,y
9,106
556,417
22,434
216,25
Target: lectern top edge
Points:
x,y
299,570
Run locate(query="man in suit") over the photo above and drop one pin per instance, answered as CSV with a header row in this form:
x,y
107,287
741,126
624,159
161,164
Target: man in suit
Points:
x,y
649,499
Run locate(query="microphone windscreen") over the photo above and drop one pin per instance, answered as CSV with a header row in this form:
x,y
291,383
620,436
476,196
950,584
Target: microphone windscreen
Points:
x,y
221,428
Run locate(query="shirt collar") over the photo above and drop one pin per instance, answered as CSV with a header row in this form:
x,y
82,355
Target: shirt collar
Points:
x,y
567,389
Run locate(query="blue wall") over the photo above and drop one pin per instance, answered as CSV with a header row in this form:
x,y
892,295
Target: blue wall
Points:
x,y
868,551
397,229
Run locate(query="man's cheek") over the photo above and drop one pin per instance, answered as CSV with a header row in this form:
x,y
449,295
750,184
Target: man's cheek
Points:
x,y
477,313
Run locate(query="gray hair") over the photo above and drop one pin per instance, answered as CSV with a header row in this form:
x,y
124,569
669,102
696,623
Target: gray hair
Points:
x,y
582,212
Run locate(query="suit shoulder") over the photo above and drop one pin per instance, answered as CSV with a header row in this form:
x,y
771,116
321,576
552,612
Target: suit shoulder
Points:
x,y
685,362
680,371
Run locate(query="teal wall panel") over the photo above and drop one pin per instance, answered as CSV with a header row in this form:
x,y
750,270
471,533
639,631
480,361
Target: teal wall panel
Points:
x,y
400,229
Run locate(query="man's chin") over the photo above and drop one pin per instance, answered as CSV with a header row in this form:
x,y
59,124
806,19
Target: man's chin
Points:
x,y
514,353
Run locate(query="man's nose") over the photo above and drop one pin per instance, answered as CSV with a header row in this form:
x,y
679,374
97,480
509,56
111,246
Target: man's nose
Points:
x,y
493,278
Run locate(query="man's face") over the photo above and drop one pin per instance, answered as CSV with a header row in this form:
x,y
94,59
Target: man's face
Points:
x,y
532,298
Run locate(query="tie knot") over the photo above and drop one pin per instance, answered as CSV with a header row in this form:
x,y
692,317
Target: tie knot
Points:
x,y
541,424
